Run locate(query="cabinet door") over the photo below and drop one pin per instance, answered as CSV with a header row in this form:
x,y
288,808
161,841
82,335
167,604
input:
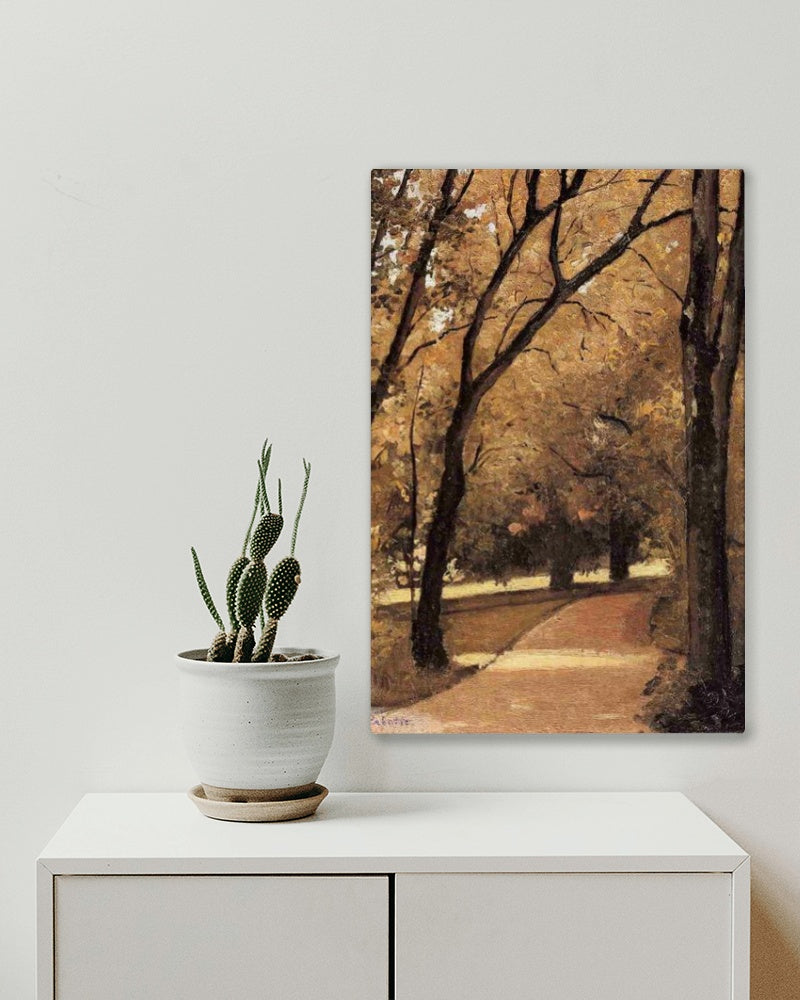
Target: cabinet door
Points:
x,y
212,937
564,937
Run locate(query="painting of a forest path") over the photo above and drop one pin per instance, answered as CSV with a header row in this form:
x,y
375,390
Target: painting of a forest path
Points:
x,y
557,414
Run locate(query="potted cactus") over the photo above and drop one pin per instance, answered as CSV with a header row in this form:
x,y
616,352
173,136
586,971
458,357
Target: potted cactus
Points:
x,y
257,720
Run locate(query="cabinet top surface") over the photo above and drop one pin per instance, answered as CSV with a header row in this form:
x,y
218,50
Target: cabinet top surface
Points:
x,y
121,833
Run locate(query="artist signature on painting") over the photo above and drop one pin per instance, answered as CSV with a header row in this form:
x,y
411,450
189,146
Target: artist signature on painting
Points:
x,y
389,721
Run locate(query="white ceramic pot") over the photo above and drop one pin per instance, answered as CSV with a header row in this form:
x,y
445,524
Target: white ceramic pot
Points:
x,y
257,731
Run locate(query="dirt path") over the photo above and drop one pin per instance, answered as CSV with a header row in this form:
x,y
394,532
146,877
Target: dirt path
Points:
x,y
580,671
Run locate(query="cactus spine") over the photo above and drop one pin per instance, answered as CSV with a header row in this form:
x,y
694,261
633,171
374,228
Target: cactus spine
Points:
x,y
250,591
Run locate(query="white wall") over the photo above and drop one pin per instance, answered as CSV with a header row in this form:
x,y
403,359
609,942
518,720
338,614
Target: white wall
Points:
x,y
183,267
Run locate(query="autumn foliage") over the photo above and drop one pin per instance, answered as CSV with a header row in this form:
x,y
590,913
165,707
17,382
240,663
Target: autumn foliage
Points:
x,y
540,378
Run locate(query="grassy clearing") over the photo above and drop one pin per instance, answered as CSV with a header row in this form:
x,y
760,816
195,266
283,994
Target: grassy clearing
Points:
x,y
652,569
487,629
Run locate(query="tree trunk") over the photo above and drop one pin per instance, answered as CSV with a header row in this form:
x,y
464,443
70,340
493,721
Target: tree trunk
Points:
x,y
706,525
427,642
562,560
621,545
711,335
562,573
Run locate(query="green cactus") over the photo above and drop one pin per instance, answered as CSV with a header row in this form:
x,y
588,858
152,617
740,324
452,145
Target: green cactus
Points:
x,y
250,593
307,471
282,586
263,649
245,642
218,650
266,534
234,575
260,541
249,590
261,502
283,583
206,594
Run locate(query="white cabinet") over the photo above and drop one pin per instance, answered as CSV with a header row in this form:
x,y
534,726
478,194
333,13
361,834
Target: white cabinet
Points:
x,y
399,896
564,937
209,936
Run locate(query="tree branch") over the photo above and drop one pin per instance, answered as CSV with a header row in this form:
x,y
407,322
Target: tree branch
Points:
x,y
462,192
679,213
383,222
729,331
575,185
648,198
485,456
510,200
596,315
532,178
510,322
580,473
474,463
496,231
533,217
420,316
658,278
416,289
555,265
610,418
547,354
431,343
559,295
603,184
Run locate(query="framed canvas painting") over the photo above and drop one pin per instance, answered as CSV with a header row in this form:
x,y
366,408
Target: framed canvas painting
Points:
x,y
557,414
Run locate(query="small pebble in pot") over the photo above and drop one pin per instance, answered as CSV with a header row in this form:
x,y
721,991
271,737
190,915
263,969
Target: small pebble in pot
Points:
x,y
303,657
278,658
